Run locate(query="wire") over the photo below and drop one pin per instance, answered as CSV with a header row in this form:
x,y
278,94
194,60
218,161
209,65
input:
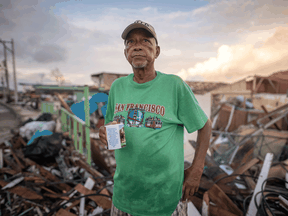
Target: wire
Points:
x,y
244,203
242,175
263,202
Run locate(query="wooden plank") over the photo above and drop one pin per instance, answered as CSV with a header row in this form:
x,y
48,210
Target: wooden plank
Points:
x,y
249,181
277,171
258,85
75,203
273,111
8,171
218,197
89,169
22,191
22,141
247,156
213,210
272,84
266,112
64,212
102,201
207,184
97,157
244,150
10,162
46,174
240,170
16,159
64,104
55,196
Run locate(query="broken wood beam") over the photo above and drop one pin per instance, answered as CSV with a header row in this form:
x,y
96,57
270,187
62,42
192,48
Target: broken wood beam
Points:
x,y
218,197
21,191
213,210
240,170
249,181
101,201
265,110
64,104
64,212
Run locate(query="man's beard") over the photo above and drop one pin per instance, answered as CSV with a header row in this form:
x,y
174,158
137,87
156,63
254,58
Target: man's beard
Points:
x,y
137,66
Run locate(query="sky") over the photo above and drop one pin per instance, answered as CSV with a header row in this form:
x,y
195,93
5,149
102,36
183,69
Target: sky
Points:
x,y
217,40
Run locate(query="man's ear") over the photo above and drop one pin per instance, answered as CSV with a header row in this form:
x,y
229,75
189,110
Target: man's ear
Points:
x,y
157,51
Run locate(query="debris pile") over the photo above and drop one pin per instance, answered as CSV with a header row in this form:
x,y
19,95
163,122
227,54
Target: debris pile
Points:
x,y
247,170
49,177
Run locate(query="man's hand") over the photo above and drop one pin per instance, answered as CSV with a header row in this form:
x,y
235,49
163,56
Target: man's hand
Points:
x,y
102,133
192,177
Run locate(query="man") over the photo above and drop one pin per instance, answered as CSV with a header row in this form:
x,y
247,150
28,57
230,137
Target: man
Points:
x,y
149,177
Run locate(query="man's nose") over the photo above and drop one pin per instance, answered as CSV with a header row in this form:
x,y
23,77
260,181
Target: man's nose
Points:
x,y
137,47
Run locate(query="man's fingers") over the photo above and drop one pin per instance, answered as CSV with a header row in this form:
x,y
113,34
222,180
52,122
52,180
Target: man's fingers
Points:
x,y
186,194
103,141
192,191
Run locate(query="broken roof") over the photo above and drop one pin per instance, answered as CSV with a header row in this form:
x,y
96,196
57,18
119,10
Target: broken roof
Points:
x,y
204,87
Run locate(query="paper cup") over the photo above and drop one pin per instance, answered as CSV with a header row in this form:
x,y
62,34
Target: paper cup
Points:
x,y
115,136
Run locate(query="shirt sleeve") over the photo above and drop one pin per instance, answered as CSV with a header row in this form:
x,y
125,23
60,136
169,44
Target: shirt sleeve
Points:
x,y
110,107
189,111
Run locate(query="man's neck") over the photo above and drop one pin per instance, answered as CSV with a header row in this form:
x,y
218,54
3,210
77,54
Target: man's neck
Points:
x,y
143,76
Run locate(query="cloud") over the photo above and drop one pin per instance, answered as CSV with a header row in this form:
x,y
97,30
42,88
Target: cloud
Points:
x,y
237,61
222,39
32,28
171,52
50,53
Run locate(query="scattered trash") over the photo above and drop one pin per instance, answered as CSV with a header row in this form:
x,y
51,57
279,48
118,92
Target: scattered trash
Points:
x,y
29,129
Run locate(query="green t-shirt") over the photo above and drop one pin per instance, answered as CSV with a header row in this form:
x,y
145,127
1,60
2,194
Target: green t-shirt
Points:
x,y
150,169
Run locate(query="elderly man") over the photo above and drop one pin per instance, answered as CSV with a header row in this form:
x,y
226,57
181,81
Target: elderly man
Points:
x,y
149,177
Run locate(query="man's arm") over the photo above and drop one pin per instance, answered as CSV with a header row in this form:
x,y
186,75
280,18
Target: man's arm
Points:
x,y
193,174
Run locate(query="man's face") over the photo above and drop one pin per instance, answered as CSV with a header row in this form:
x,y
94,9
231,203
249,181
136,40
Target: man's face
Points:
x,y
140,48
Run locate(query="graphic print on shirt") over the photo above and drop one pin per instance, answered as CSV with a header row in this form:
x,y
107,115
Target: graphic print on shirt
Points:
x,y
135,116
119,119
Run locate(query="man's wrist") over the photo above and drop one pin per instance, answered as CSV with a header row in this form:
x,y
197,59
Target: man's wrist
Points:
x,y
196,168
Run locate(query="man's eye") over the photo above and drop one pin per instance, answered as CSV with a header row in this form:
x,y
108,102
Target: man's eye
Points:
x,y
145,40
129,41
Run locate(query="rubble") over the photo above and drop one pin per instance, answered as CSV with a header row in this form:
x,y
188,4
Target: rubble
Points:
x,y
247,170
39,181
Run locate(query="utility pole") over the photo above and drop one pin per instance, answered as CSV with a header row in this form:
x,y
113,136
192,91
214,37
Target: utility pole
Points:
x,y
3,90
14,69
6,73
2,82
14,73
